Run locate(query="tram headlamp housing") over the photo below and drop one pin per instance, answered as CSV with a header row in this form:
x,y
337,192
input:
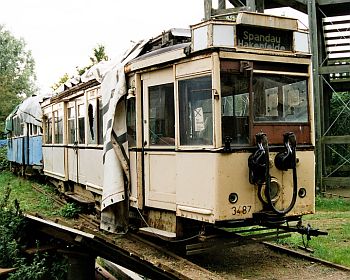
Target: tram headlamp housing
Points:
x,y
233,198
302,192
275,190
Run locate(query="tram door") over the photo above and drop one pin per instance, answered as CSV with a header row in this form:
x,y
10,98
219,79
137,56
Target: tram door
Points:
x,y
159,139
76,137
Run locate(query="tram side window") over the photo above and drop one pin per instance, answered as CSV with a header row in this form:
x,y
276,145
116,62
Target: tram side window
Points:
x,y
131,121
92,121
48,130
35,130
100,121
58,123
280,98
196,116
235,107
161,115
71,125
81,123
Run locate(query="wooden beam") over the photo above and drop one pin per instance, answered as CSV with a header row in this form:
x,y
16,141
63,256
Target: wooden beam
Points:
x,y
331,2
344,139
334,69
336,181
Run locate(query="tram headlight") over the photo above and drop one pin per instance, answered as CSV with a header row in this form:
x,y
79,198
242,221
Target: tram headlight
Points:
x,y
274,189
233,198
302,192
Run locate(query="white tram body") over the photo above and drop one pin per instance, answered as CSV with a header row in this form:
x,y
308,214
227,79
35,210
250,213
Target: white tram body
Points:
x,y
195,102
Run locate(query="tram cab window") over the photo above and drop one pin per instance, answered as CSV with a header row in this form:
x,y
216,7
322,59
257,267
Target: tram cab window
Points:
x,y
58,126
235,107
196,111
161,115
71,125
279,98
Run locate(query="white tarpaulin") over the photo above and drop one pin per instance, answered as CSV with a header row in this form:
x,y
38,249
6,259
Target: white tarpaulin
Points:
x,y
115,150
29,111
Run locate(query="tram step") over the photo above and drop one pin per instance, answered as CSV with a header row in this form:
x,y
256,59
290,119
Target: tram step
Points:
x,y
79,198
154,232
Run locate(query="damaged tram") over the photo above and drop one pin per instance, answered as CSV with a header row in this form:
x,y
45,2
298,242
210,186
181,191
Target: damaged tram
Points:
x,y
211,126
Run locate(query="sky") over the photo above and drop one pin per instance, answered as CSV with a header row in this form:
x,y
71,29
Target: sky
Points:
x,y
62,34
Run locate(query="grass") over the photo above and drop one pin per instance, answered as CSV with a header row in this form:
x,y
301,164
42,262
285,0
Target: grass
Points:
x,y
29,200
332,215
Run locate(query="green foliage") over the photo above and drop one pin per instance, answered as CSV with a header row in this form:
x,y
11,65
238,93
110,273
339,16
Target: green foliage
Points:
x,y
61,81
99,54
70,210
30,200
11,230
4,163
333,204
16,73
42,267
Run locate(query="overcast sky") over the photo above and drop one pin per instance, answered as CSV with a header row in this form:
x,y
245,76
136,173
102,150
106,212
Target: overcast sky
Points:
x,y
62,34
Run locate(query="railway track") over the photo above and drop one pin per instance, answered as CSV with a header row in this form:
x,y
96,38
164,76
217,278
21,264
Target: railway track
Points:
x,y
160,260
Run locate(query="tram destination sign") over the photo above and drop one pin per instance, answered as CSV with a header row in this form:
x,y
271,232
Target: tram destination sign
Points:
x,y
264,38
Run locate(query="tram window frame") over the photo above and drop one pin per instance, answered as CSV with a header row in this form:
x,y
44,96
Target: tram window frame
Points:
x,y
81,111
58,126
289,100
161,115
99,120
94,118
48,129
131,121
71,123
235,93
197,127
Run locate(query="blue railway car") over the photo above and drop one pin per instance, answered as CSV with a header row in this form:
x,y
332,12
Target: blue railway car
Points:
x,y
24,136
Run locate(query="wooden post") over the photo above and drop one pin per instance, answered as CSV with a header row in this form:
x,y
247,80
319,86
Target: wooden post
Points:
x,y
222,4
317,90
207,9
251,5
260,6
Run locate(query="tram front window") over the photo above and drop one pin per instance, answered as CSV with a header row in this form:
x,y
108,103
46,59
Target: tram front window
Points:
x,y
235,107
196,111
279,98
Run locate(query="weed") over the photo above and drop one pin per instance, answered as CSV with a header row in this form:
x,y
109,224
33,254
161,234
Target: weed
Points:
x,y
4,163
70,210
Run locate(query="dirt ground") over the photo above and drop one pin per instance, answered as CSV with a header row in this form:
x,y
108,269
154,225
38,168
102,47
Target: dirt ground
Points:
x,y
256,261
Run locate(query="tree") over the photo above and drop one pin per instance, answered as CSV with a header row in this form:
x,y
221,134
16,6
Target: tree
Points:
x,y
99,55
17,76
61,81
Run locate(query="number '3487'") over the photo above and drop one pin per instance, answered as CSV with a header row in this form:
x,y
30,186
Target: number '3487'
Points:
x,y
241,210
